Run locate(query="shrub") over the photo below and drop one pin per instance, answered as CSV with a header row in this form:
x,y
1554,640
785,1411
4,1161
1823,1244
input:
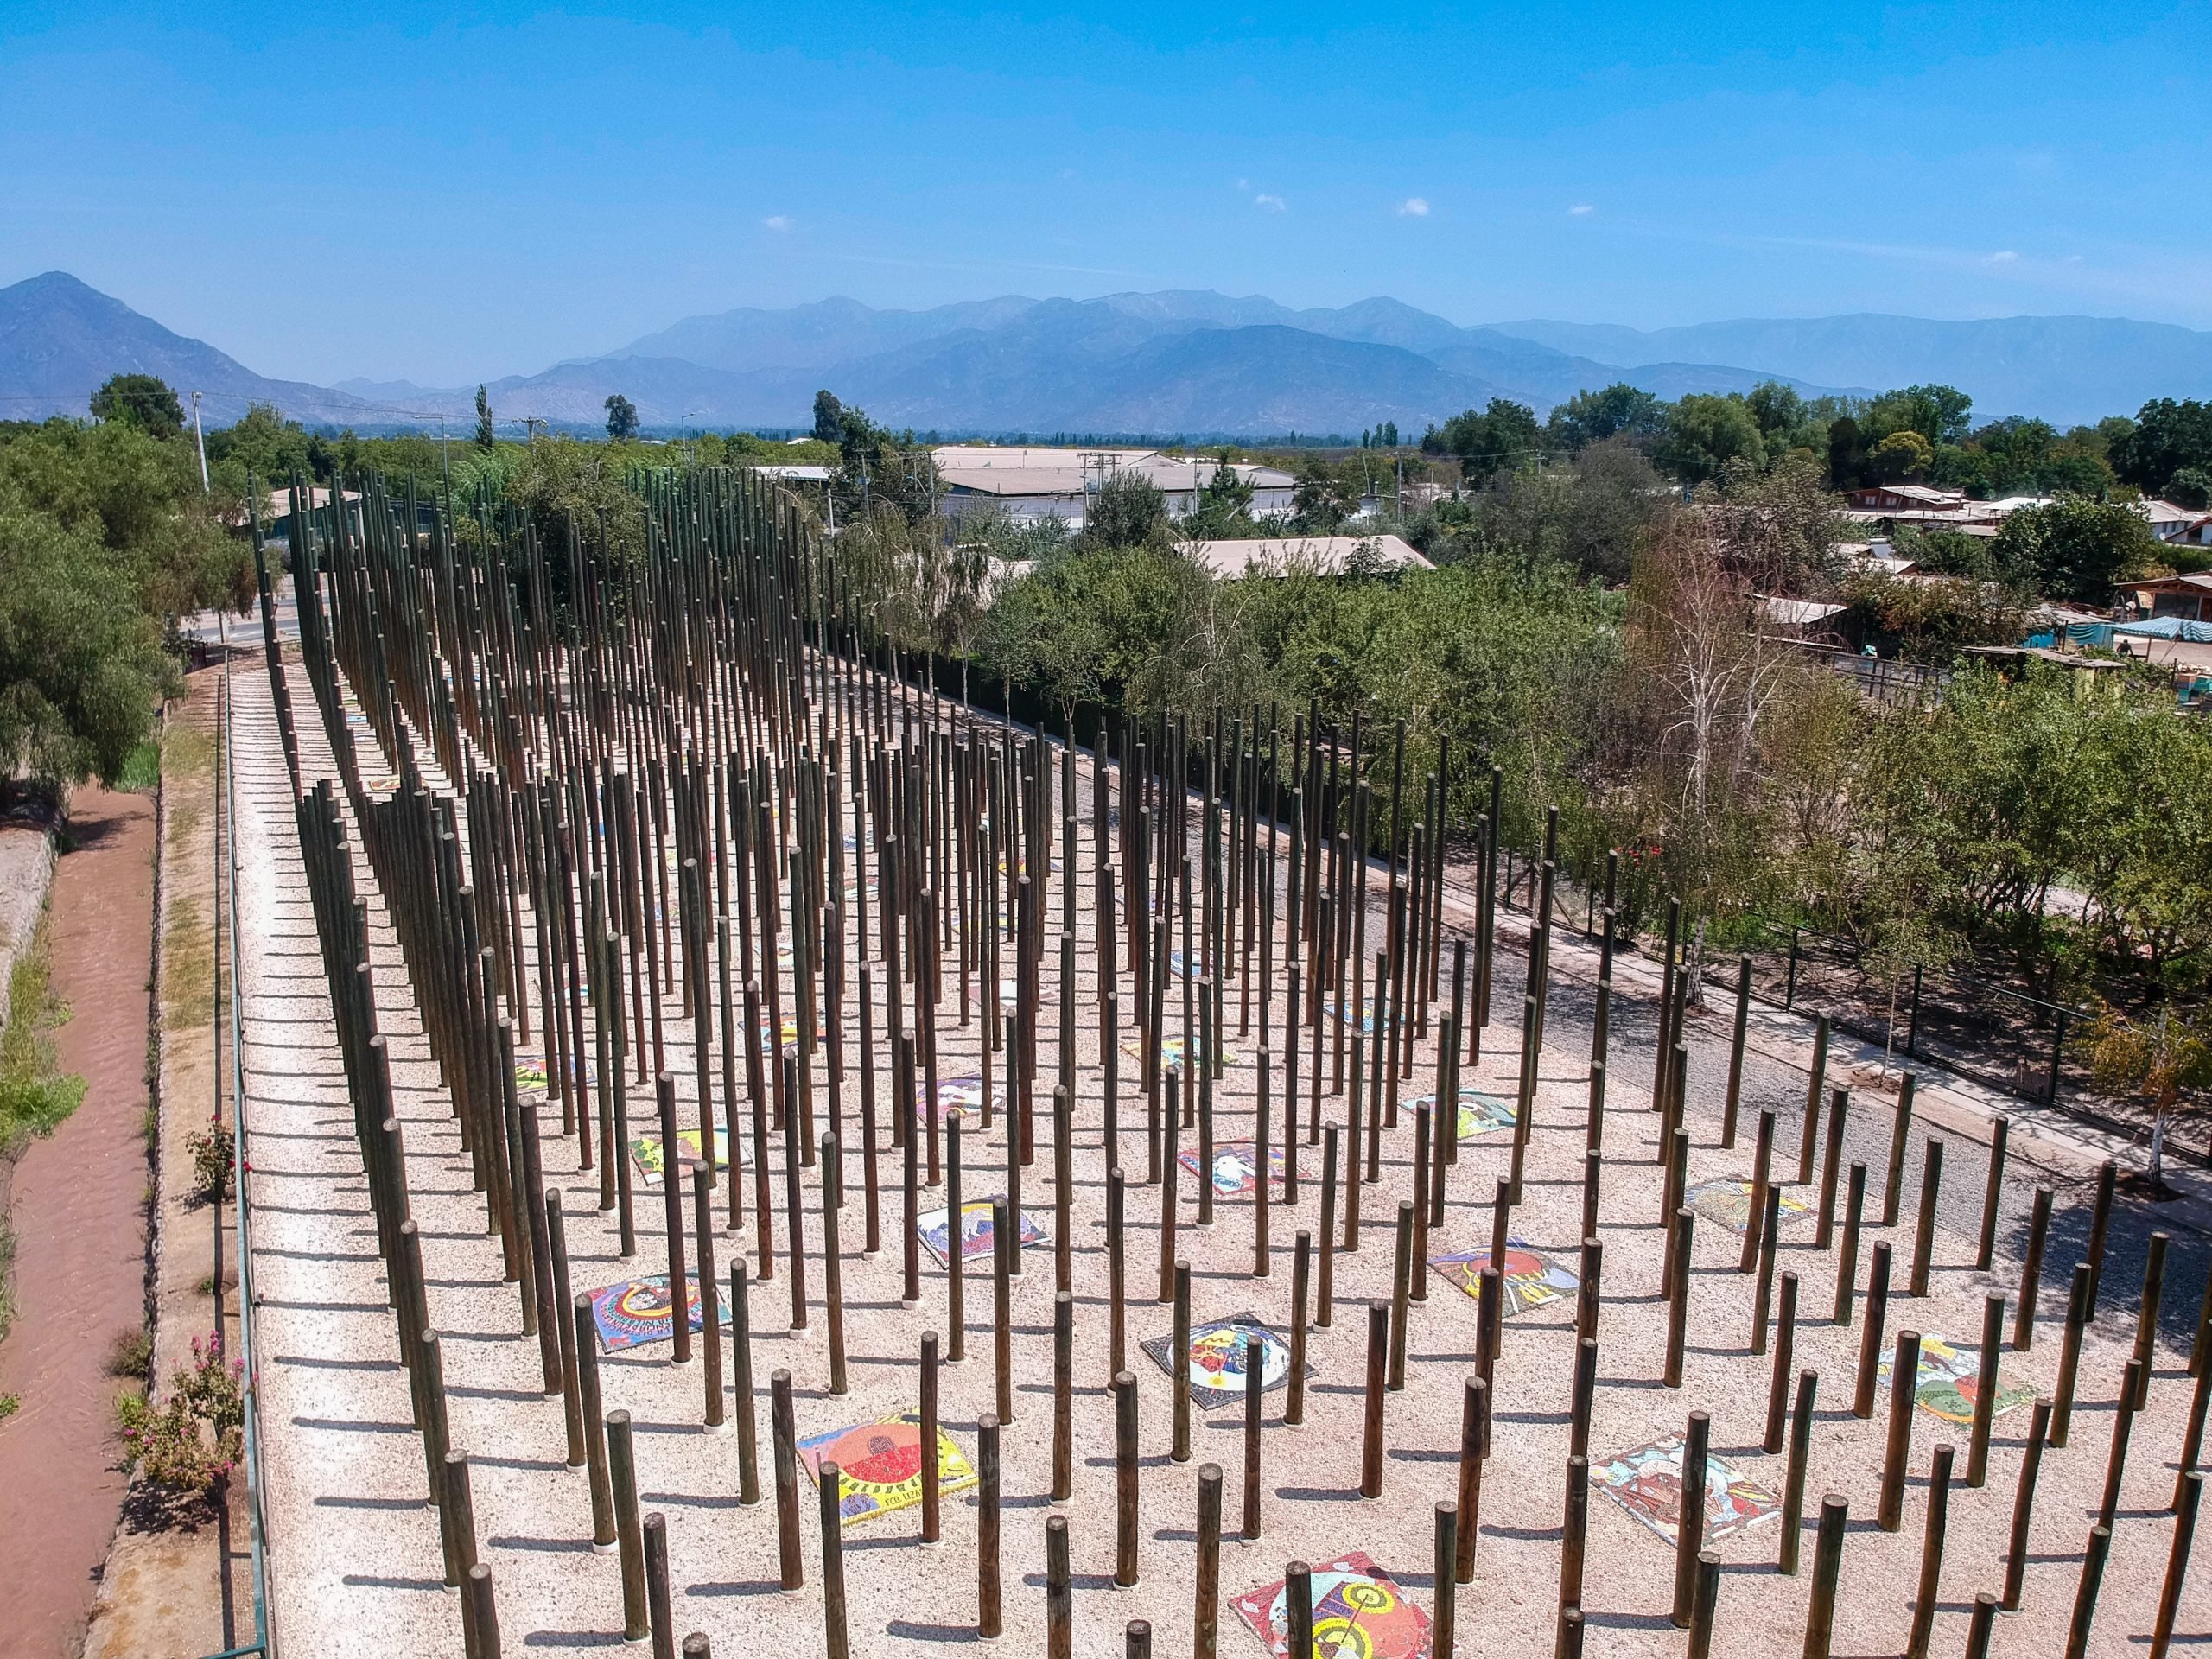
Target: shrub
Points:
x,y
211,1149
187,1445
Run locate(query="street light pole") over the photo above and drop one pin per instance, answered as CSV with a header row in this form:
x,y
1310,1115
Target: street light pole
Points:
x,y
199,437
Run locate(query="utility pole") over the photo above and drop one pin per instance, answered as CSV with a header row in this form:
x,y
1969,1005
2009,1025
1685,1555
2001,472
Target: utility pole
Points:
x,y
199,437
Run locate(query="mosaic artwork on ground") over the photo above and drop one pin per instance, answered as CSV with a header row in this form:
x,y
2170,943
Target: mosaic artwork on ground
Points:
x,y
1950,1381
956,1098
637,1311
1171,1052
880,1465
1217,1359
1341,1012
1729,1203
646,1152
1531,1278
1235,1167
976,1232
1480,1113
787,1034
1360,1612
1648,1483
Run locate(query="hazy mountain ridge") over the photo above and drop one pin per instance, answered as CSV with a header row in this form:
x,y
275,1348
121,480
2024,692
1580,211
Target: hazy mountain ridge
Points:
x,y
1189,361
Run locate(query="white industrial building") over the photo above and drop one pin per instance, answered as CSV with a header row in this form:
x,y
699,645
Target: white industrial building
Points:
x,y
1031,483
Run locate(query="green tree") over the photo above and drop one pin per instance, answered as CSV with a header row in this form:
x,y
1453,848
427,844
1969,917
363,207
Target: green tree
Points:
x,y
141,400
1128,509
621,418
1939,414
1223,508
485,437
2076,549
1704,432
2154,1056
2167,437
1619,410
1502,437
1903,453
828,417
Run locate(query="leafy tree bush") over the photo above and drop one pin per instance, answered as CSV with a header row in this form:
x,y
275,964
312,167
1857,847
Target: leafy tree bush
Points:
x,y
139,400
621,418
2076,548
186,1447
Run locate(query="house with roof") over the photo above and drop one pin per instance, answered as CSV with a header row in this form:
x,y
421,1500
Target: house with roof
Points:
x,y
2175,524
1032,483
2189,597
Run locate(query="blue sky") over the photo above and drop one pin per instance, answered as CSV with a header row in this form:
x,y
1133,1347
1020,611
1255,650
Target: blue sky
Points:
x,y
444,195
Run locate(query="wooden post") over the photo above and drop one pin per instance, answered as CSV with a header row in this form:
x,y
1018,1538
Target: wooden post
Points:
x,y
2099,1229
932,1476
987,1510
1900,1139
710,1319
1985,1401
1253,1348
1125,1480
622,1469
2078,1302
483,1615
1828,1568
1904,1382
1785,1354
2189,1495
1474,1435
830,1511
1818,1077
1931,1553
2024,1501
1302,1264
1585,1396
1762,1182
1179,1370
1706,1605
2023,1320
1325,1285
1678,1310
2146,1319
1574,1531
1736,1051
955,1268
1923,1236
595,1464
1002,1228
1444,1623
1870,1335
1831,1168
1059,1604
1205,1623
1847,1261
2085,1592
2123,1426
1793,1486
1298,1610
1984,1250
1117,1278
1982,1623
1690,1525
792,1568
1400,1292
1769,1228
1378,1345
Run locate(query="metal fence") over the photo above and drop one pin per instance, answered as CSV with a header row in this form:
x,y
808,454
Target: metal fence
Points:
x,y
227,1012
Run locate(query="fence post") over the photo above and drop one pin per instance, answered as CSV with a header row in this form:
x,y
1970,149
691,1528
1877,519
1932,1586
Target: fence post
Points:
x,y
2057,1048
1912,1029
1790,989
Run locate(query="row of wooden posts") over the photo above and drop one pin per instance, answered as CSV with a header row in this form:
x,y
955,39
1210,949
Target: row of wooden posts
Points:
x,y
655,775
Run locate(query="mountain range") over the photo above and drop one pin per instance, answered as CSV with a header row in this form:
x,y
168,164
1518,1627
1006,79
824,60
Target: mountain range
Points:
x,y
1180,362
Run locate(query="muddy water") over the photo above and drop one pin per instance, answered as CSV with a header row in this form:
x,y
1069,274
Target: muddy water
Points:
x,y
80,1242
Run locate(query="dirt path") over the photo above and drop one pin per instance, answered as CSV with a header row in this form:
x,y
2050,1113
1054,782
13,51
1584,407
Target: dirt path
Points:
x,y
81,1253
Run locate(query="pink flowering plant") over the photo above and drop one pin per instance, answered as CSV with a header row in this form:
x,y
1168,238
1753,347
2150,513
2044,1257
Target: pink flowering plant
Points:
x,y
188,1444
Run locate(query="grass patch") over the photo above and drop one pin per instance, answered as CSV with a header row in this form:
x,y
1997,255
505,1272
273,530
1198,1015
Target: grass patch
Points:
x,y
187,966
142,770
34,1095
187,751
10,1404
131,1353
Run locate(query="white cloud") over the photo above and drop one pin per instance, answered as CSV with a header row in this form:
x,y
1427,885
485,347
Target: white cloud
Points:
x,y
1272,204
779,221
1413,207
2003,257
1243,184
1581,210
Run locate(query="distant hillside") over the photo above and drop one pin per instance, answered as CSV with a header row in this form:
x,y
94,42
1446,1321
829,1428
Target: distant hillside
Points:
x,y
1178,361
60,339
2064,369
